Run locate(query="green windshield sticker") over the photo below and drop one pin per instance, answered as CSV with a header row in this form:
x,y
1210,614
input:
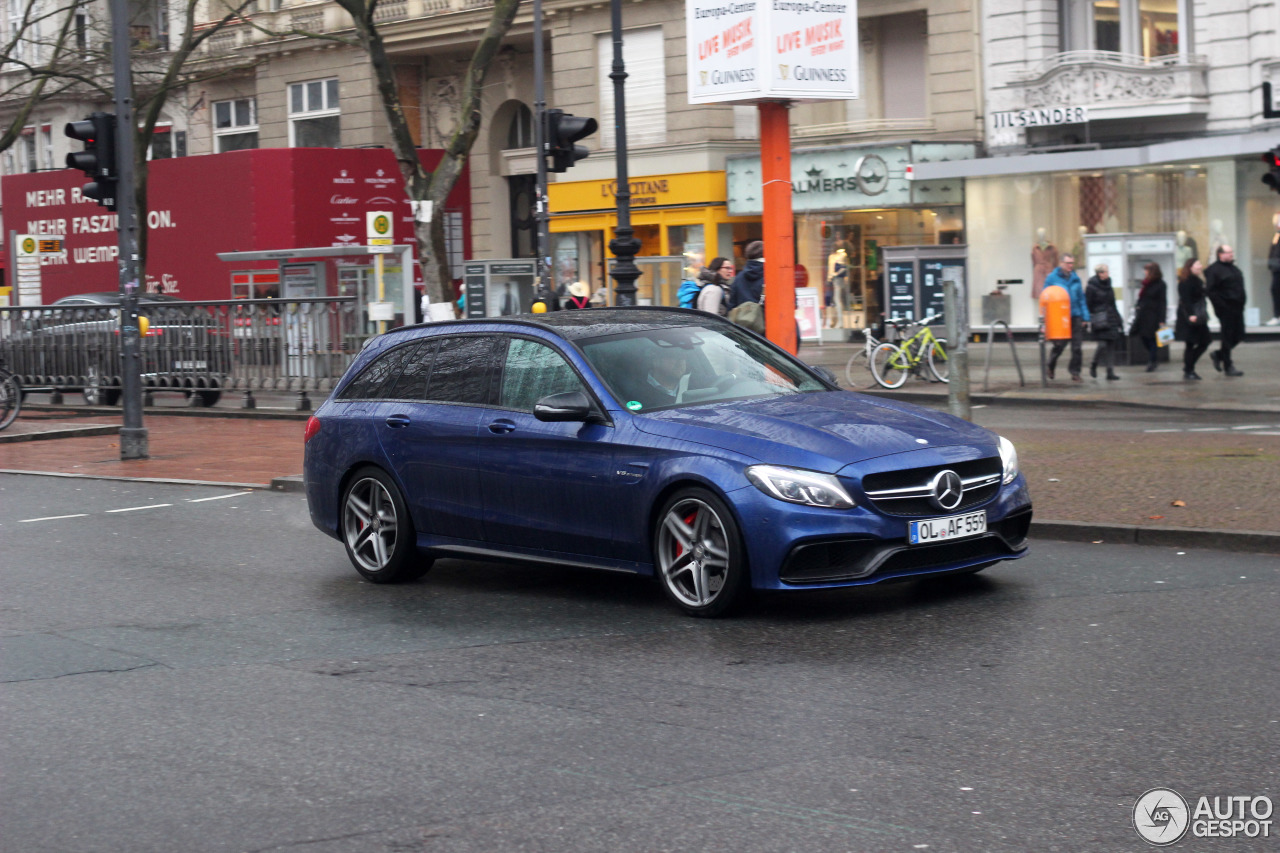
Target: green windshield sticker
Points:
x,y
634,406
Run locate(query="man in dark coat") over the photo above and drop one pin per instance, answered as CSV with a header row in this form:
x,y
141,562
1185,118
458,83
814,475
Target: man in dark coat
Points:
x,y
1224,284
748,285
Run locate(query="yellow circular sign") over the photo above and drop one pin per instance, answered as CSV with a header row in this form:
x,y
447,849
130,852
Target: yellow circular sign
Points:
x,y
29,246
381,224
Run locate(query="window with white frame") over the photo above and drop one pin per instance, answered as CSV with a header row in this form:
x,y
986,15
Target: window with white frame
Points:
x,y
644,51
235,124
167,142
46,147
27,150
314,115
10,162
1151,29
17,14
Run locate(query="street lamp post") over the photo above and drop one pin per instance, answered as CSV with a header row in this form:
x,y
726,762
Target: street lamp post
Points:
x,y
624,245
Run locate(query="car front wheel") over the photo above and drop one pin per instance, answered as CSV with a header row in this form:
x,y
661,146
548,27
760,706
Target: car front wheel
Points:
x,y
377,530
701,561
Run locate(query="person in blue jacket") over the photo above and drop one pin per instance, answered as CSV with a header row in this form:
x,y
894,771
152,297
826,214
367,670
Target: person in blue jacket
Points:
x,y
1064,276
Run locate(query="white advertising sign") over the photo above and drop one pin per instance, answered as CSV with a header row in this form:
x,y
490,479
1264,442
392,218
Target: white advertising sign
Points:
x,y
751,50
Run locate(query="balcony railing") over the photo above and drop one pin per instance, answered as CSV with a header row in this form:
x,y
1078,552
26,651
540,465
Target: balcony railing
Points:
x,y
1116,85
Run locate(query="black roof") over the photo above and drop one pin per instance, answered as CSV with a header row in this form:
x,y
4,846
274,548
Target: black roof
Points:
x,y
597,322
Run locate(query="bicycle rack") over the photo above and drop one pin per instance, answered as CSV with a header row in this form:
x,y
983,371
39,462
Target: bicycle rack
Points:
x,y
991,335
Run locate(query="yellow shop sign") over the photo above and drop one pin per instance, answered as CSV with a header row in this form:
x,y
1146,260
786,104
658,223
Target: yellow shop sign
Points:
x,y
689,188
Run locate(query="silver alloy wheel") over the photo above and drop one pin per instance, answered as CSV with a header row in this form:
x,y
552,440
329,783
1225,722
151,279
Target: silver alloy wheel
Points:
x,y
693,553
369,524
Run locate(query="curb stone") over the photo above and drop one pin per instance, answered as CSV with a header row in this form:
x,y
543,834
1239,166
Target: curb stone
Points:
x,y
1244,541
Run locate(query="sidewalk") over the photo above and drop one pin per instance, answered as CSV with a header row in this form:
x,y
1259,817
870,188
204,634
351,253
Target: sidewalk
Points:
x,y
1086,484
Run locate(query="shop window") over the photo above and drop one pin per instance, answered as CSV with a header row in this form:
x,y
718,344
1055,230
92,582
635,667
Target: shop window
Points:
x,y
645,53
235,124
314,116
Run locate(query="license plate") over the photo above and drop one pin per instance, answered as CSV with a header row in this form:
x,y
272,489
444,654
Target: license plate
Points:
x,y
945,529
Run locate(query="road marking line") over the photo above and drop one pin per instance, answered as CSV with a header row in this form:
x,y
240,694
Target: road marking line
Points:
x,y
216,497
1206,429
54,517
136,508
1162,430
1252,426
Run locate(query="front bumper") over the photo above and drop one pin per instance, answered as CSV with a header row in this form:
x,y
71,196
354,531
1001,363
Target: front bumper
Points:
x,y
797,547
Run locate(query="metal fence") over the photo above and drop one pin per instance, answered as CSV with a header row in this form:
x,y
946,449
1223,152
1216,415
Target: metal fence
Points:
x,y
201,348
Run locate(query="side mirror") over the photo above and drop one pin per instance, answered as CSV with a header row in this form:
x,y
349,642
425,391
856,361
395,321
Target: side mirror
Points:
x,y
569,406
824,373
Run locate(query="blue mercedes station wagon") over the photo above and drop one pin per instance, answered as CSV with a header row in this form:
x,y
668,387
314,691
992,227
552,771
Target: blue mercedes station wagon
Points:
x,y
651,440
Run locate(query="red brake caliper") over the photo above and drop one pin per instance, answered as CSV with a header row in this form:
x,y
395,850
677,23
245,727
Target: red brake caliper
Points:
x,y
689,521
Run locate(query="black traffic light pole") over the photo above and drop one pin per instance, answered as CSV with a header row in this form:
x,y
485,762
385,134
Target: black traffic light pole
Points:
x,y
133,435
624,245
541,214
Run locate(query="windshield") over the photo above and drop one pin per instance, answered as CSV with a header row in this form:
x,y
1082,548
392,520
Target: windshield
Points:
x,y
664,368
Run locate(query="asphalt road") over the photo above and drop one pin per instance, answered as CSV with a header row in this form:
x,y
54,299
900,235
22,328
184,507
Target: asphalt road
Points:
x,y
187,671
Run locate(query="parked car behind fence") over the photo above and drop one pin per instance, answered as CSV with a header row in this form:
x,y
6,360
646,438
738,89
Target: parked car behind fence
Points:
x,y
200,349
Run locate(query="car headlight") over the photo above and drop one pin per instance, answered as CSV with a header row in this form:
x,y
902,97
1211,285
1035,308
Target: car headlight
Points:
x,y
1008,460
800,487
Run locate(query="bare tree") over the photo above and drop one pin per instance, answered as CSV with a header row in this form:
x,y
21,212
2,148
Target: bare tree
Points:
x,y
421,185
30,81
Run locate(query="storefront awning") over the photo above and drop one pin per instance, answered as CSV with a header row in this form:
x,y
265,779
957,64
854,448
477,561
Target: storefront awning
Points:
x,y
1093,160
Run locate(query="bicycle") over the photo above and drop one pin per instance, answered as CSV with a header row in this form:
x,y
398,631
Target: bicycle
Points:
x,y
891,364
10,397
867,348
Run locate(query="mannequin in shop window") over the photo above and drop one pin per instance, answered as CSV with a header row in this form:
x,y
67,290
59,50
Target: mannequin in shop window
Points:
x,y
1077,251
1044,259
837,284
1186,250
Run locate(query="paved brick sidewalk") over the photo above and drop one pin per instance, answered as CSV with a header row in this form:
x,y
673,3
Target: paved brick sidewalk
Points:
x,y
224,450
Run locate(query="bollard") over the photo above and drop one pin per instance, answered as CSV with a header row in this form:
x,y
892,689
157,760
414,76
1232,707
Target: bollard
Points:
x,y
958,402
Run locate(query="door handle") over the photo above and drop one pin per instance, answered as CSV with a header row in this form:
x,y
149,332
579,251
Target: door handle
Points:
x,y
397,421
502,426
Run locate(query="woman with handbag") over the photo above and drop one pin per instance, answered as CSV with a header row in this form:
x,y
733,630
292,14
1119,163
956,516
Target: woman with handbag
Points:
x,y
1193,317
1105,324
1148,316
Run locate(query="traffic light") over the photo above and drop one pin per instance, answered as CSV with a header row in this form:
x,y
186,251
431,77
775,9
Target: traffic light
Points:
x,y
98,159
1272,177
563,130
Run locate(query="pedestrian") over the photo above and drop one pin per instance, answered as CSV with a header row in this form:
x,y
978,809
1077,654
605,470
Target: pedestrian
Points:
x,y
712,297
1224,285
1149,314
600,299
578,297
747,291
1192,325
1105,323
748,285
1273,264
691,286
1064,276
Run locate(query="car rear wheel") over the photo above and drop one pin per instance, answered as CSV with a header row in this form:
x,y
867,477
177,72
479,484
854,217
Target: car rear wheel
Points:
x,y
377,530
95,394
701,561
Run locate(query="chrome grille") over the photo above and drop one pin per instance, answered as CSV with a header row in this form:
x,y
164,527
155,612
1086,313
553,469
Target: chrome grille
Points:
x,y
909,492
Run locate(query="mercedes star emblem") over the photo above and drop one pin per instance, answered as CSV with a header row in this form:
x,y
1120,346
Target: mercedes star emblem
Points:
x,y
947,489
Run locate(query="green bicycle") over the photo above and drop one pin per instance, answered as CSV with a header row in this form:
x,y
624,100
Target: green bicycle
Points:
x,y
891,364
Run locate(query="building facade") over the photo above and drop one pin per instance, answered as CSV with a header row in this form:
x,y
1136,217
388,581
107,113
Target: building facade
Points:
x,y
1123,132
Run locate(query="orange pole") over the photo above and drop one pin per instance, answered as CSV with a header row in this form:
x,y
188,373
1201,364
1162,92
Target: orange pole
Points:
x,y
778,225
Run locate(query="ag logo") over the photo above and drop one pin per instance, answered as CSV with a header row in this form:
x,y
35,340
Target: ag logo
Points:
x,y
782,71
381,223
29,246
1161,817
